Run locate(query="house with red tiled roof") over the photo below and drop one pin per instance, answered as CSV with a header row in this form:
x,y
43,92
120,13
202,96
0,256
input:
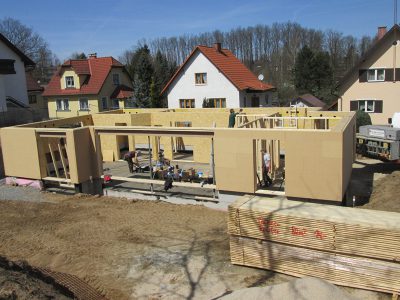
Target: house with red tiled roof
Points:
x,y
86,86
214,77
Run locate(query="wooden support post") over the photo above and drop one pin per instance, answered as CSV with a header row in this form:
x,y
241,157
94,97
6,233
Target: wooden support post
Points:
x,y
54,161
63,161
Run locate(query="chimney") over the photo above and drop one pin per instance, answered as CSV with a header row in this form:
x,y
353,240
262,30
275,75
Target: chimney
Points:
x,y
217,47
381,31
92,55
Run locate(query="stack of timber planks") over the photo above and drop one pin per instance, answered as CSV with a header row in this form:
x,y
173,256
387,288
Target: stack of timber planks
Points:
x,y
346,246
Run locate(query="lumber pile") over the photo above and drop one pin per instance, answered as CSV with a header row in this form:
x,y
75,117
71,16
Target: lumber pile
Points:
x,y
347,246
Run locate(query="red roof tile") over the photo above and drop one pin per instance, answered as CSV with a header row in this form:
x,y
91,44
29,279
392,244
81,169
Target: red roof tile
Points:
x,y
97,70
229,65
31,83
122,92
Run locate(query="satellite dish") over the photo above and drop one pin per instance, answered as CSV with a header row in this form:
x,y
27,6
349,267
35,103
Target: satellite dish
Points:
x,y
261,77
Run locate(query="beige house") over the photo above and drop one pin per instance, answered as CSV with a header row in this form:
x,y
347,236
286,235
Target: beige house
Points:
x,y
373,85
85,86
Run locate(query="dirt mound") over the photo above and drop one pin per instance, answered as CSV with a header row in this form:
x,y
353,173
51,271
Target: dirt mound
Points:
x,y
386,193
303,288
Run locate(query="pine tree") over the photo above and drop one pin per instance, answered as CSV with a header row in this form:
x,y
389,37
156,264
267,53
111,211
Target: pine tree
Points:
x,y
142,68
313,74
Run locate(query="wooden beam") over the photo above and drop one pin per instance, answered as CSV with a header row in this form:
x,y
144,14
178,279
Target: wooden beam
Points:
x,y
161,182
63,161
54,160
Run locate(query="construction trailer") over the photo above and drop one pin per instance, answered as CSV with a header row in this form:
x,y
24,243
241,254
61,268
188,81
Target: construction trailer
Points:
x,y
318,147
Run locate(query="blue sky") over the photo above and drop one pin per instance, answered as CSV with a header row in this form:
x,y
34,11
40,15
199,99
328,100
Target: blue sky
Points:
x,y
109,27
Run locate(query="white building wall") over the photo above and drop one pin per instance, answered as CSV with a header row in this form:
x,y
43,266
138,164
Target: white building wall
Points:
x,y
218,86
14,85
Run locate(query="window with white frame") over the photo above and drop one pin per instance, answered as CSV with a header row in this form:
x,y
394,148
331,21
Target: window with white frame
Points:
x,y
62,104
69,81
104,103
376,75
115,78
115,103
83,104
369,106
200,78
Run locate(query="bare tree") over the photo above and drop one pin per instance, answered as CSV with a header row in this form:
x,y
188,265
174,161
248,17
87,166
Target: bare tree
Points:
x,y
31,44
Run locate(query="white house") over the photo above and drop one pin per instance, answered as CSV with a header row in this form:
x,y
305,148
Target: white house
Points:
x,y
215,76
13,87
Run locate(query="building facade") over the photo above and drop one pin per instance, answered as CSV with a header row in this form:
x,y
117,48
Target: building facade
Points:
x,y
13,87
85,86
373,85
214,77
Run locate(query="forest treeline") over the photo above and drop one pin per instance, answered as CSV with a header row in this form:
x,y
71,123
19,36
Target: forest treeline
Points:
x,y
270,50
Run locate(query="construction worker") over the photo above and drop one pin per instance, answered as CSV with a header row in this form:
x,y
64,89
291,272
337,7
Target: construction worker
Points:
x,y
131,157
266,168
232,117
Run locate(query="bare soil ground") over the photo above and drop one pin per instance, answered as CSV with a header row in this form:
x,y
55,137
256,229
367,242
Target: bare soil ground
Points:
x,y
148,249
128,249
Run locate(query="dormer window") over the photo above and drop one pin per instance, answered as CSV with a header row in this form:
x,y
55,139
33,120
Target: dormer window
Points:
x,y
69,81
200,78
116,79
376,75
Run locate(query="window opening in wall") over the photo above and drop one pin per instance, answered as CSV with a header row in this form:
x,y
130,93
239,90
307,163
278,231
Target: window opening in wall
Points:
x,y
369,106
115,79
269,165
104,103
56,157
83,104
62,104
69,81
201,78
186,103
182,151
32,99
376,75
216,102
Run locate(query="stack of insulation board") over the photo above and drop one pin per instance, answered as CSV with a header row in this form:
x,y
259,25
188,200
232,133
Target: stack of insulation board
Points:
x,y
347,246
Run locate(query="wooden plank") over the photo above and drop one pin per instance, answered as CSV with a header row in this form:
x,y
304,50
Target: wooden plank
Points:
x,y
315,226
56,179
63,161
54,161
161,182
339,269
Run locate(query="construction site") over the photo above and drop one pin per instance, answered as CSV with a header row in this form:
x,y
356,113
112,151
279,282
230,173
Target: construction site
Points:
x,y
219,225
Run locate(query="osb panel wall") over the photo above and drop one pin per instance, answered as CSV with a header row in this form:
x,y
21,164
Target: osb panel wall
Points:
x,y
197,118
81,120
82,160
314,167
20,152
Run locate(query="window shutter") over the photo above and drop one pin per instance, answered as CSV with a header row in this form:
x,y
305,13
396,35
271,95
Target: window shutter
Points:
x,y
398,74
353,105
378,106
362,74
388,74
